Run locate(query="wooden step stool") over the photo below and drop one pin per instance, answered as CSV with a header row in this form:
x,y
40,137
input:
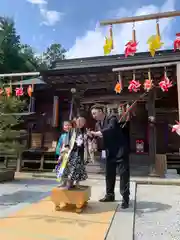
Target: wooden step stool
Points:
x,y
77,197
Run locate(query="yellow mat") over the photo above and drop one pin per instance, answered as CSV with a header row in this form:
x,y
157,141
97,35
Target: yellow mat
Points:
x,y
39,221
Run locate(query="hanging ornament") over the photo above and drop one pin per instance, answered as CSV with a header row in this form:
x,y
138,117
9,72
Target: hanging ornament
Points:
x,y
154,41
165,84
148,83
120,110
176,128
19,92
177,42
134,86
1,91
30,91
127,109
108,46
8,91
108,109
131,46
118,86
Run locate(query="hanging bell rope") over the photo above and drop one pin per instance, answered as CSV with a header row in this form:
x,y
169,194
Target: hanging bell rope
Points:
x,y
133,32
158,28
111,35
134,75
149,74
21,84
165,72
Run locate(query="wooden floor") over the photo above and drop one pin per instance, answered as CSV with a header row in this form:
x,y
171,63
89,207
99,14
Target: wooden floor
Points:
x,y
39,221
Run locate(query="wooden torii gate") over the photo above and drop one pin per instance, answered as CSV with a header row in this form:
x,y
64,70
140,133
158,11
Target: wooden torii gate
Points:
x,y
151,101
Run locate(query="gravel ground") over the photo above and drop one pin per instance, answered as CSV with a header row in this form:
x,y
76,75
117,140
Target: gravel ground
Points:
x,y
157,213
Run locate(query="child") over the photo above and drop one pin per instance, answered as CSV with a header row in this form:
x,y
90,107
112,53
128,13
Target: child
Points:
x,y
63,140
75,157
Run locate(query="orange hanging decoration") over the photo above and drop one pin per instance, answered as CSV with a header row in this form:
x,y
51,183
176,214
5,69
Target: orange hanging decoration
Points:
x,y
30,91
131,46
148,83
177,42
8,91
118,86
1,91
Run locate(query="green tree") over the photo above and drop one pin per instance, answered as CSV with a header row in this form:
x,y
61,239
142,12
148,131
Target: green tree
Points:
x,y
31,61
54,51
10,107
14,56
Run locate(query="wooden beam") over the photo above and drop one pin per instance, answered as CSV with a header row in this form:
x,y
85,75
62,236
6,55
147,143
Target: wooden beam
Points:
x,y
158,65
141,18
19,74
111,98
152,130
83,86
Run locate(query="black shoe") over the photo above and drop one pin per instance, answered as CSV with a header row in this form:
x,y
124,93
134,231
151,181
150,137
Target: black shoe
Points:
x,y
107,198
125,204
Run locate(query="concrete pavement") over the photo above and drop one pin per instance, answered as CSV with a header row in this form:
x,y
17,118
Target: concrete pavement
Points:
x,y
26,212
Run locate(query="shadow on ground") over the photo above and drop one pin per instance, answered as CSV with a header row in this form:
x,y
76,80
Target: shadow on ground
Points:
x,y
20,197
150,207
32,182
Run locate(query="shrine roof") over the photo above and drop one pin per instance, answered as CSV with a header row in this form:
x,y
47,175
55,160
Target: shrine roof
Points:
x,y
100,63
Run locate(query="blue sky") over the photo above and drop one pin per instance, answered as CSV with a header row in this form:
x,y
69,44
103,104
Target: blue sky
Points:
x,y
72,22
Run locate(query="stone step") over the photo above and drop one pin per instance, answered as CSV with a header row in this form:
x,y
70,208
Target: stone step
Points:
x,y
134,169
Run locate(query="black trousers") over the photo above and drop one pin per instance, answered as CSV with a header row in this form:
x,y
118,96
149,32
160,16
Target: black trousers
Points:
x,y
123,169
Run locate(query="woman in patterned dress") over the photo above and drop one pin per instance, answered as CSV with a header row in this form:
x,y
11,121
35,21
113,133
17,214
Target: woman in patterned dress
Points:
x,y
75,170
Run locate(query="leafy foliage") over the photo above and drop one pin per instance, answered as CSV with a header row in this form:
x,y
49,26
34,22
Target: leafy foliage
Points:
x,y
17,57
54,52
9,118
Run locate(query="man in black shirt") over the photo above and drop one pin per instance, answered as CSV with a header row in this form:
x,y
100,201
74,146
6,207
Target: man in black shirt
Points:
x,y
117,154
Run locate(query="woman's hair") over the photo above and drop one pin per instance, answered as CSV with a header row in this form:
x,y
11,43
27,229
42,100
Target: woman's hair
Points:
x,y
98,107
82,114
67,122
